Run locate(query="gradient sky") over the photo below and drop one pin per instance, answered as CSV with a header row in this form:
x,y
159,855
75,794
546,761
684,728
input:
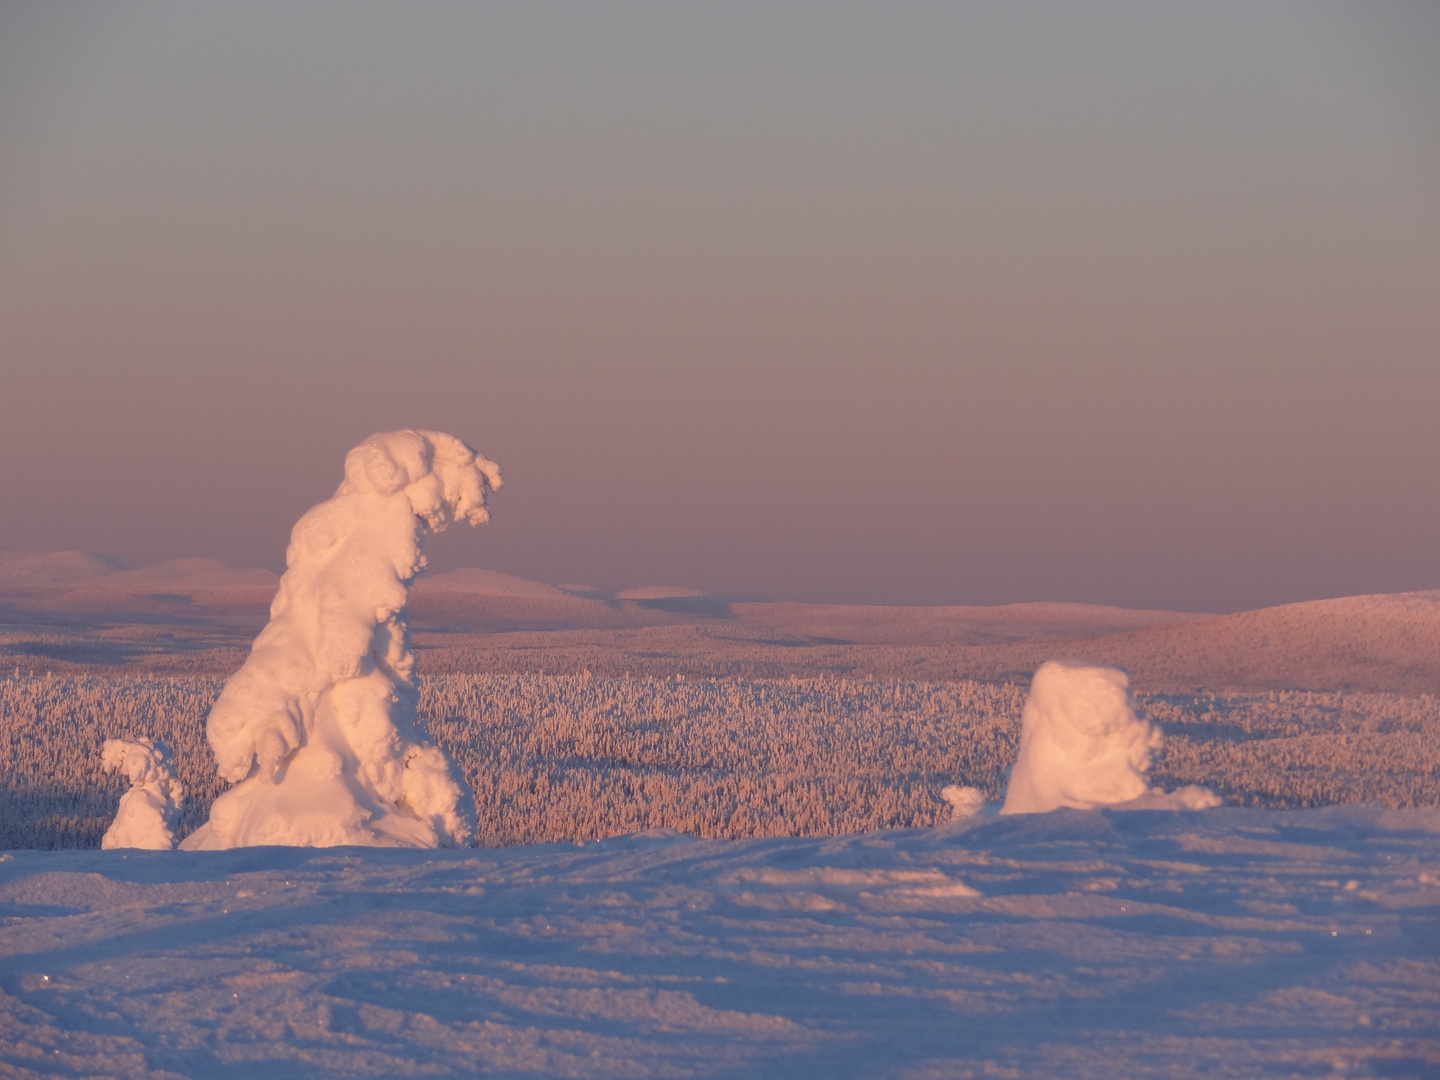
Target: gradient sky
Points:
x,y
1129,303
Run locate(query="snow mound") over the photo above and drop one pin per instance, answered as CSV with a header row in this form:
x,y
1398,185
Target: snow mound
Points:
x,y
148,811
965,802
316,730
1083,746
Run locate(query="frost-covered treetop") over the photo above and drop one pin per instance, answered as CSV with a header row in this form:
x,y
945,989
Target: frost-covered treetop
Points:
x,y
443,479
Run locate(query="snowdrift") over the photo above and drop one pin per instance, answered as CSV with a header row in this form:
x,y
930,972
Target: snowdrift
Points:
x,y
1081,944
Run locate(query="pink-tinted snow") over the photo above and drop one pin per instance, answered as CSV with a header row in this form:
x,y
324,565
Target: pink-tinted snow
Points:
x,y
1074,944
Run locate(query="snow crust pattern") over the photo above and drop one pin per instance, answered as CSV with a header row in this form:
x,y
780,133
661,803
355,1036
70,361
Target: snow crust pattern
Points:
x,y
316,730
1083,746
149,810
1080,945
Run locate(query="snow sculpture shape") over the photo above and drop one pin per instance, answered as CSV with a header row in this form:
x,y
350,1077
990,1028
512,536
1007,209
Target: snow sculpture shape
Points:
x,y
965,802
1081,745
316,730
149,810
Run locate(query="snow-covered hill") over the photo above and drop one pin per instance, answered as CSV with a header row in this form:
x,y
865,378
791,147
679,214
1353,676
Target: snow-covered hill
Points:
x,y
69,581
968,625
485,583
21,571
484,620
1073,944
1387,642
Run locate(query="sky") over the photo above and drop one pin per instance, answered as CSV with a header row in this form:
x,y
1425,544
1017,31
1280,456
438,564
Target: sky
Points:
x,y
913,303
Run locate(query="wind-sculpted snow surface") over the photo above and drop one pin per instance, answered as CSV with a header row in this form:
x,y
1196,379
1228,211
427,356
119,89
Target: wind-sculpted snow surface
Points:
x,y
1084,945
1082,746
150,809
316,730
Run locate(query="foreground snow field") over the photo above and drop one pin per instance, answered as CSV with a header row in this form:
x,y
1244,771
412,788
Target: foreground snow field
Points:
x,y
1229,942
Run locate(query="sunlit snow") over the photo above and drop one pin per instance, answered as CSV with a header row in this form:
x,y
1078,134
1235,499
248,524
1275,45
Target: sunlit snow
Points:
x,y
1082,746
965,802
316,730
1076,944
150,810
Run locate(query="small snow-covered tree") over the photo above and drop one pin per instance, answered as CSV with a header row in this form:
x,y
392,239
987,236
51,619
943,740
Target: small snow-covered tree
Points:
x,y
148,811
1083,746
965,802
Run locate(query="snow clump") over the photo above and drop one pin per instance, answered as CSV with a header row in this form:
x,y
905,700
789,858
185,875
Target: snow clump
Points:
x,y
1082,746
317,729
148,811
965,802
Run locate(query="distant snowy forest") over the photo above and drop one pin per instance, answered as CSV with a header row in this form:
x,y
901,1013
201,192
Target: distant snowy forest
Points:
x,y
572,757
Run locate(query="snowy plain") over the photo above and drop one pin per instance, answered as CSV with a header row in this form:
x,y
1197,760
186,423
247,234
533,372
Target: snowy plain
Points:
x,y
1229,942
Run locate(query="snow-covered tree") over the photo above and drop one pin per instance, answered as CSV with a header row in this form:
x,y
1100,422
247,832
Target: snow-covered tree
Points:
x,y
1083,746
316,730
149,810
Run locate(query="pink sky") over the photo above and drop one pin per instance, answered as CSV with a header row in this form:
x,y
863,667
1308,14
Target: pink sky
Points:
x,y
912,304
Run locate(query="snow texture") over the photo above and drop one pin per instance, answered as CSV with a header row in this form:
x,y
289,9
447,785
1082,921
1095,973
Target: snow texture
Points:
x,y
1083,746
1087,945
316,730
150,809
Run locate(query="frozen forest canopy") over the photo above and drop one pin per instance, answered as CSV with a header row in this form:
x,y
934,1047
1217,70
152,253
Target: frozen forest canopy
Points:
x,y
316,730
568,717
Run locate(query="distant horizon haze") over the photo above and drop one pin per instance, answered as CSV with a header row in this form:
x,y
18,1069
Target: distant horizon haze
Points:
x,y
203,575
908,304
